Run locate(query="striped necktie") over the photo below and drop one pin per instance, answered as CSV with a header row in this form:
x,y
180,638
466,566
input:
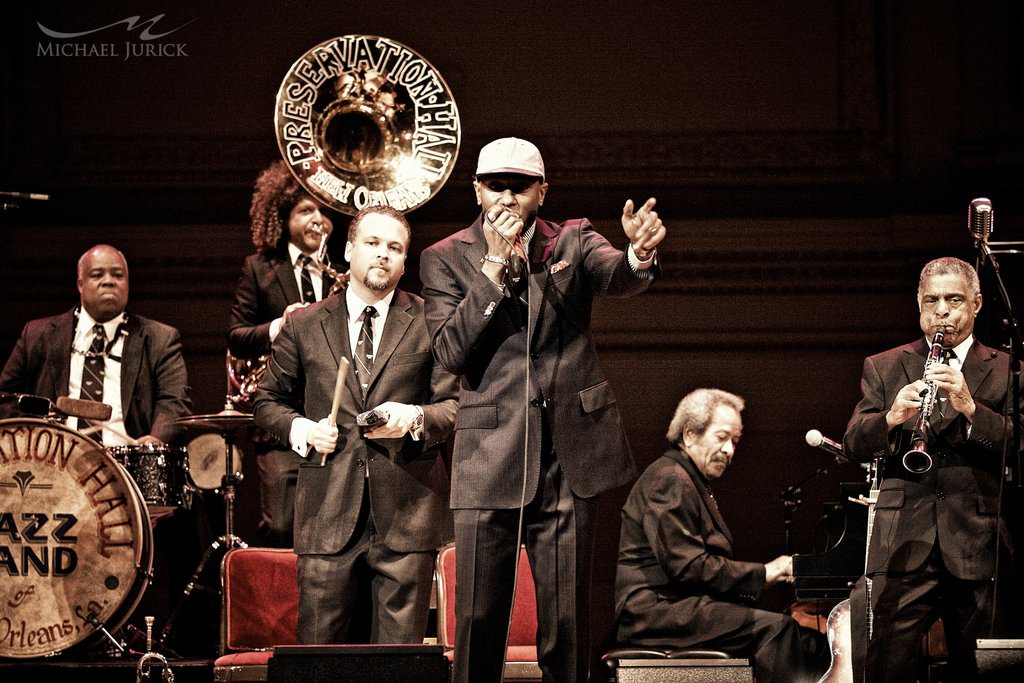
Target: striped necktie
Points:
x,y
93,368
308,294
364,349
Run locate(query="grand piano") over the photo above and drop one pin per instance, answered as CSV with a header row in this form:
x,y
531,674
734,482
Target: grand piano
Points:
x,y
829,575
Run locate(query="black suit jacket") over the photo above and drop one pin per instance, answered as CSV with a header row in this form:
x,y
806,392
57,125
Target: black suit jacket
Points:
x,y
677,582
408,480
954,503
265,288
154,380
482,336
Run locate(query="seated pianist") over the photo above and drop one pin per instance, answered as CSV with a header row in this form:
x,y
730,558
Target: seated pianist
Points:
x,y
677,584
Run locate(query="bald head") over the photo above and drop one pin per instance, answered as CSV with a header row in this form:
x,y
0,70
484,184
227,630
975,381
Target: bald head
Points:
x,y
103,282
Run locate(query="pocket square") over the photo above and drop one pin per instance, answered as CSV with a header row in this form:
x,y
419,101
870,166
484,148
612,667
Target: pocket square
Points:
x,y
561,265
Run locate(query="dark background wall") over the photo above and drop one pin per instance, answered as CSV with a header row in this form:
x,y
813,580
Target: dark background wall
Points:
x,y
808,157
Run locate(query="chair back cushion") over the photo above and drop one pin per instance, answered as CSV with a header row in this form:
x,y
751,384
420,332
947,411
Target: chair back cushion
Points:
x,y
524,608
261,599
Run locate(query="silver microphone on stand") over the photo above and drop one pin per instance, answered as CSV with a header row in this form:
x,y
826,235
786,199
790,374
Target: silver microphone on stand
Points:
x,y
816,439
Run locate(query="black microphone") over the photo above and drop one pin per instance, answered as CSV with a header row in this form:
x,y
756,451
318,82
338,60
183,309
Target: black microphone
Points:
x,y
818,440
979,220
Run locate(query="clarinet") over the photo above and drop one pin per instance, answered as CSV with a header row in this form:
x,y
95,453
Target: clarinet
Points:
x,y
916,460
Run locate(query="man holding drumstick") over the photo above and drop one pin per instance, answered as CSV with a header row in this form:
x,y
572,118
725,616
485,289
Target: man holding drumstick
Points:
x,y
371,499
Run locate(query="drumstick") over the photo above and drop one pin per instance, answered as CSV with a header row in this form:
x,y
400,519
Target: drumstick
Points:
x,y
339,389
99,427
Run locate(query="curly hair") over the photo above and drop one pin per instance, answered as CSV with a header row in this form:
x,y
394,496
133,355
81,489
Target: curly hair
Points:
x,y
697,408
275,194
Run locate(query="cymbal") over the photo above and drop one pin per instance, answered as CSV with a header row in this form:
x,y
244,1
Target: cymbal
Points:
x,y
224,421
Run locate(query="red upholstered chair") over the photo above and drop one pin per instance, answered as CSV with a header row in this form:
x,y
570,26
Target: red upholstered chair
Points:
x,y
260,610
521,656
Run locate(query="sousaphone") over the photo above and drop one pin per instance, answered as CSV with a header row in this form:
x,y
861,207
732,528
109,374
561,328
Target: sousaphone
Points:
x,y
364,120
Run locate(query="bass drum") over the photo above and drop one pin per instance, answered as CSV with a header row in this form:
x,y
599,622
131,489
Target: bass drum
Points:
x,y
76,545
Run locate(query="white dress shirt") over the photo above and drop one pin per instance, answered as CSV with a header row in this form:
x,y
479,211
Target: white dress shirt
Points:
x,y
80,344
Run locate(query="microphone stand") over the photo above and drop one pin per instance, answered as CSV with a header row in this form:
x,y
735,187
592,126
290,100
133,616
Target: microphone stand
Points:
x,y
1016,346
791,501
1012,473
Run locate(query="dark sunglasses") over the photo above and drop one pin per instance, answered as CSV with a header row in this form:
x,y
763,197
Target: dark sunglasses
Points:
x,y
516,185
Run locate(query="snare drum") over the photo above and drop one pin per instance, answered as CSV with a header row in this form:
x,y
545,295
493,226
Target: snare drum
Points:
x,y
79,549
161,473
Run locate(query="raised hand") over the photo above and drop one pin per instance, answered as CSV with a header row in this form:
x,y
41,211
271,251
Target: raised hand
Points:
x,y
643,227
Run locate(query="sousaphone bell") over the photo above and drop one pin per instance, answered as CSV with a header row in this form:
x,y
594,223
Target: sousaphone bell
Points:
x,y
364,120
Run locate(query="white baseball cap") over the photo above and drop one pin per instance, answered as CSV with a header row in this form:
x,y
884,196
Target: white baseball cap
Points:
x,y
510,155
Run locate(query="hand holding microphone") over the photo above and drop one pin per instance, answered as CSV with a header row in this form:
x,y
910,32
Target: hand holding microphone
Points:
x,y
505,227
502,231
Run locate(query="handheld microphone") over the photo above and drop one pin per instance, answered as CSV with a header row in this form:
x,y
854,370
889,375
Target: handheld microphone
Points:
x,y
818,440
89,410
979,220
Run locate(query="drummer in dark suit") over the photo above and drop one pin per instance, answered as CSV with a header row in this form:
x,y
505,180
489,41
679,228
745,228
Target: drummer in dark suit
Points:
x,y
678,583
284,275
98,351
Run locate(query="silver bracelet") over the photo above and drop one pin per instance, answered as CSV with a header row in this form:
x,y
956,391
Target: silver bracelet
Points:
x,y
494,259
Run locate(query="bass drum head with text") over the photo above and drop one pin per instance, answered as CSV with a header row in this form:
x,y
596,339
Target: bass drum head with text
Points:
x,y
76,545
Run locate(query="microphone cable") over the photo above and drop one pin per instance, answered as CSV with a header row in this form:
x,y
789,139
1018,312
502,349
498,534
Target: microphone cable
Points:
x,y
526,438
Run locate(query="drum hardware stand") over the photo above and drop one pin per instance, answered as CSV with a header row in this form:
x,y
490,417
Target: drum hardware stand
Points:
x,y
119,648
225,422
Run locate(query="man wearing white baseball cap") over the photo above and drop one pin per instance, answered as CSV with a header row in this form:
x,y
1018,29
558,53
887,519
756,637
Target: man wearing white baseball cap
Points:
x,y
538,434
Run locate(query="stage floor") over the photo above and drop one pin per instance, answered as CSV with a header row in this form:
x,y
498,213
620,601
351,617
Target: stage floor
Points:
x,y
120,671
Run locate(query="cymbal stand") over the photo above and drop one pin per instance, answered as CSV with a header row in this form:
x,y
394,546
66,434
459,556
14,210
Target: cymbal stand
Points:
x,y
227,541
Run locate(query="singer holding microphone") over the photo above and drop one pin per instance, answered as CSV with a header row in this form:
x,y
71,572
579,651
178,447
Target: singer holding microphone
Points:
x,y
933,547
508,305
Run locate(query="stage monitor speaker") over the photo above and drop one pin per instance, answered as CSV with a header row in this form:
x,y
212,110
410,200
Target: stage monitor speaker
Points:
x,y
358,664
1000,660
683,671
